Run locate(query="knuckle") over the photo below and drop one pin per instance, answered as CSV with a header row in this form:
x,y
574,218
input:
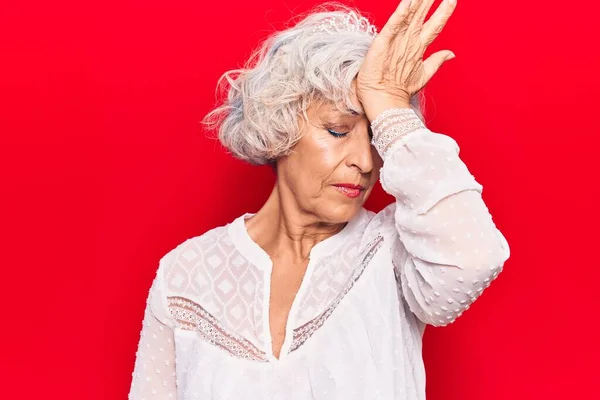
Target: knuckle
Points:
x,y
394,29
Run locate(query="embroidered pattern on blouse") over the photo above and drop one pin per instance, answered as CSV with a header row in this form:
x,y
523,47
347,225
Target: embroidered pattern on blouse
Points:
x,y
194,317
302,333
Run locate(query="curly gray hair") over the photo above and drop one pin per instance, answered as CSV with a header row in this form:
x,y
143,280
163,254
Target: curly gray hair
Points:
x,y
258,121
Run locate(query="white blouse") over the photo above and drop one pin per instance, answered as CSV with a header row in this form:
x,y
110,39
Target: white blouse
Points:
x,y
355,327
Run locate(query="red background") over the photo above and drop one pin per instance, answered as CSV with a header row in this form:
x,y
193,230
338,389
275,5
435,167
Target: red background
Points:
x,y
104,168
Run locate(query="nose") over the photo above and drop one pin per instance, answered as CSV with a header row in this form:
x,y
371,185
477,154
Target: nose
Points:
x,y
359,154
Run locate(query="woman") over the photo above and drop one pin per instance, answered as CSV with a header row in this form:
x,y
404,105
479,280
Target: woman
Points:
x,y
313,297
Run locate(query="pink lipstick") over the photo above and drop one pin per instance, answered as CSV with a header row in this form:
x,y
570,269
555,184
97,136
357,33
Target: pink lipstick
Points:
x,y
349,189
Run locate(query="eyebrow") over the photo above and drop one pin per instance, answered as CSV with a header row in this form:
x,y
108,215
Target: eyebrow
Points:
x,y
354,113
345,112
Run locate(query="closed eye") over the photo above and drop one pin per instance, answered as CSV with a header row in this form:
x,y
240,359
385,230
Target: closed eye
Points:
x,y
337,134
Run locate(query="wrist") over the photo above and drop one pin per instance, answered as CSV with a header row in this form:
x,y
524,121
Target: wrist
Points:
x,y
378,104
392,124
377,112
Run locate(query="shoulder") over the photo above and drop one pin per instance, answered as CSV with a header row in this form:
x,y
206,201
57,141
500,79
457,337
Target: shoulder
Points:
x,y
182,271
380,223
180,266
188,251
190,248
369,226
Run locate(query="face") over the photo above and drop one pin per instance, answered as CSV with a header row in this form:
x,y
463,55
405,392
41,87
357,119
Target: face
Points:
x,y
333,167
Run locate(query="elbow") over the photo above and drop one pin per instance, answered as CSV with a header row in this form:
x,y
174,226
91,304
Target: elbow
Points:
x,y
486,262
492,259
450,303
449,290
455,291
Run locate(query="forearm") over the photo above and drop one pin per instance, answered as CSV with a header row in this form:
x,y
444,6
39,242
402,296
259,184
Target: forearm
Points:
x,y
450,247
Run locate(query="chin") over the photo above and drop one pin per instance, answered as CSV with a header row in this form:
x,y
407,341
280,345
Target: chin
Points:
x,y
342,213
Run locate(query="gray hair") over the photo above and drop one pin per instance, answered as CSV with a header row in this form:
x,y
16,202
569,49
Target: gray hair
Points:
x,y
258,120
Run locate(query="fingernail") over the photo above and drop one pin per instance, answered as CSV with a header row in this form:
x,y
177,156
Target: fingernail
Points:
x,y
453,2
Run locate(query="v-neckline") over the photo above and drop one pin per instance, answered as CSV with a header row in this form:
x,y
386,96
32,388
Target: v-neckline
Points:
x,y
256,255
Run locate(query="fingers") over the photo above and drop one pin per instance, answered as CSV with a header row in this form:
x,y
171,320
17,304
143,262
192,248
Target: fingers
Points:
x,y
437,21
408,12
397,21
421,8
435,61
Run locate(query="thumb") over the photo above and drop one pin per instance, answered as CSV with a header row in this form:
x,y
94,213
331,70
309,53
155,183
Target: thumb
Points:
x,y
435,61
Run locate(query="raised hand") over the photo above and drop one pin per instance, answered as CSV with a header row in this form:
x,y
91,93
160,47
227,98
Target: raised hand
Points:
x,y
394,69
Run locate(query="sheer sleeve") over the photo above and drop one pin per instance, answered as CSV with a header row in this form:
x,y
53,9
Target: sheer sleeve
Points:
x,y
448,248
154,374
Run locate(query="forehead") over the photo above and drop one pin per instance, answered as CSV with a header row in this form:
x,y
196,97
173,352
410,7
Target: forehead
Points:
x,y
326,107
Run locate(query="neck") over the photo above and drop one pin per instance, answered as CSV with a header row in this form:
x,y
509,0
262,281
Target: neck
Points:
x,y
283,229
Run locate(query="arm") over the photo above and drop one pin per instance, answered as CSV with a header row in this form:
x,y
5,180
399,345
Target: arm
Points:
x,y
154,372
449,249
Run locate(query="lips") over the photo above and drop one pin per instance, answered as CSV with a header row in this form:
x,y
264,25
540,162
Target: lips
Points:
x,y
349,189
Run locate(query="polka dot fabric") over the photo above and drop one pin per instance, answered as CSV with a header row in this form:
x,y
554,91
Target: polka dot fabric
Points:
x,y
355,328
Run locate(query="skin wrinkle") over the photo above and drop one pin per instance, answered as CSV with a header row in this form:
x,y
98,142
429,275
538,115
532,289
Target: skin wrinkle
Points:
x,y
304,207
307,205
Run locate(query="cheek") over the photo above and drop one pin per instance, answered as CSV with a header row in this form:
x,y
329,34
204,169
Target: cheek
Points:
x,y
307,172
317,161
324,152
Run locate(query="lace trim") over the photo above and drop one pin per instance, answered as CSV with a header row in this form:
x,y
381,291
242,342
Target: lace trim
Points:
x,y
393,120
392,125
397,274
302,333
390,112
395,132
194,317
